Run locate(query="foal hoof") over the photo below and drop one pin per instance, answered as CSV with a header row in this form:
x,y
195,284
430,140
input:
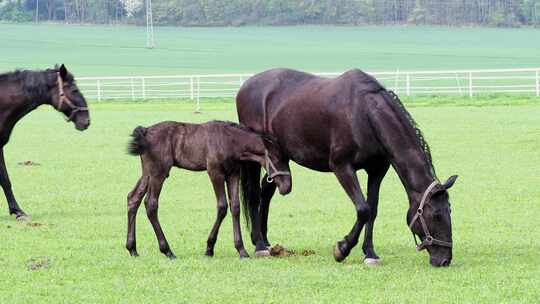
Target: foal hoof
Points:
x,y
170,255
372,262
262,253
133,253
338,256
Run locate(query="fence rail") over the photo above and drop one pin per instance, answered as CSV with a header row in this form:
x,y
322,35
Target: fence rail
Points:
x,y
409,83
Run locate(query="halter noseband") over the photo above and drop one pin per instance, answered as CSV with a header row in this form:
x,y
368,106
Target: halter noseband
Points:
x,y
429,239
270,165
63,99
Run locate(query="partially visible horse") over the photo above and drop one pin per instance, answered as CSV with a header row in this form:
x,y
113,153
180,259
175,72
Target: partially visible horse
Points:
x,y
342,125
23,91
220,148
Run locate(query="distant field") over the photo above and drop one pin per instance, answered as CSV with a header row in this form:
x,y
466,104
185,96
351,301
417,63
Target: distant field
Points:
x,y
119,50
77,197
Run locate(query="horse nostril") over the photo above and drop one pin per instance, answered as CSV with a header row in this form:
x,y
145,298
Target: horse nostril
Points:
x,y
445,263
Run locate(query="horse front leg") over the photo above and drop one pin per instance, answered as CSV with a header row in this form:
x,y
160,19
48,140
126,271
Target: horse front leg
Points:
x,y
6,185
346,176
232,188
375,177
267,192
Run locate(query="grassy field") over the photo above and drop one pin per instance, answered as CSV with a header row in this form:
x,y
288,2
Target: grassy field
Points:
x,y
101,51
77,199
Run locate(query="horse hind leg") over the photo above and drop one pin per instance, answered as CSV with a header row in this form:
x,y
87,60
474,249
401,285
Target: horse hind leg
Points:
x,y
133,202
218,183
232,188
151,203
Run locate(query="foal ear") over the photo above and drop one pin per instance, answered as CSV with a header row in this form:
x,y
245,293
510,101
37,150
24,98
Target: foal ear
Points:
x,y
450,182
63,71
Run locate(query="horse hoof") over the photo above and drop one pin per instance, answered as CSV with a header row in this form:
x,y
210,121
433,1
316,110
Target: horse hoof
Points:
x,y
133,253
209,254
338,256
372,262
170,255
23,218
262,253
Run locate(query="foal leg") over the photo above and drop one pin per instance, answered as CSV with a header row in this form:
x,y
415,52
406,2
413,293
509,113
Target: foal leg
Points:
x,y
267,192
151,203
232,188
134,201
218,180
6,185
349,181
375,178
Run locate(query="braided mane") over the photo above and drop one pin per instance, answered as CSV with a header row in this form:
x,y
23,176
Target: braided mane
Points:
x,y
419,135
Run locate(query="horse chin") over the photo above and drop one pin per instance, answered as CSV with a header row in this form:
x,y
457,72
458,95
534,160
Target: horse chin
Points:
x,y
284,185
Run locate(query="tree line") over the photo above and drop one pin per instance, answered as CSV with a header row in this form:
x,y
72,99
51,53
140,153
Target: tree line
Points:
x,y
500,13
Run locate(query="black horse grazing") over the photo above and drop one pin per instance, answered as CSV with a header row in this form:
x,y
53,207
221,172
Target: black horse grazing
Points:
x,y
217,147
22,92
342,125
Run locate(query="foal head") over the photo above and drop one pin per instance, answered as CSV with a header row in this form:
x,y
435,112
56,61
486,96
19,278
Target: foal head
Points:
x,y
66,98
430,220
276,166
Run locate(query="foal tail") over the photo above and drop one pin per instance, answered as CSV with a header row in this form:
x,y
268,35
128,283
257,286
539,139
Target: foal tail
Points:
x,y
250,189
138,143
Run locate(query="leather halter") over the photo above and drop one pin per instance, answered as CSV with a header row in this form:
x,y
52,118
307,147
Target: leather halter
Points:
x,y
269,163
428,239
63,99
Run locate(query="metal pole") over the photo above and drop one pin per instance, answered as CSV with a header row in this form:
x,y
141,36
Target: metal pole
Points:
x,y
470,85
149,26
37,11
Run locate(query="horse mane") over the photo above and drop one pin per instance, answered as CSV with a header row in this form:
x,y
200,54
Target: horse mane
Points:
x,y
419,135
35,84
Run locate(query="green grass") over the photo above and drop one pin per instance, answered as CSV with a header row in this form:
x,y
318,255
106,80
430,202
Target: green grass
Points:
x,y
101,50
78,195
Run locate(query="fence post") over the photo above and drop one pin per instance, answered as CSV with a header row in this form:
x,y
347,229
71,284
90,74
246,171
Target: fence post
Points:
x,y
191,87
132,89
143,88
537,83
408,83
198,109
470,85
98,84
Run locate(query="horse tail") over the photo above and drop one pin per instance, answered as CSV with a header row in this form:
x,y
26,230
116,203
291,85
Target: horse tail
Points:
x,y
138,144
250,189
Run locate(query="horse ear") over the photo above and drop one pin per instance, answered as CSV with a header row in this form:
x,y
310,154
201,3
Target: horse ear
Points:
x,y
63,71
450,182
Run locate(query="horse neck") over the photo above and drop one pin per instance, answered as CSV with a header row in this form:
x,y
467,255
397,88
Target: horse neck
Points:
x,y
399,139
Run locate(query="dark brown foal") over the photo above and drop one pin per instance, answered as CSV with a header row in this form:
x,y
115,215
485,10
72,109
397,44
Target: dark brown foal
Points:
x,y
220,148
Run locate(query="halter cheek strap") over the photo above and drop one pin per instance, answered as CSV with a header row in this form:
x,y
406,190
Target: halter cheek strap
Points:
x,y
63,99
269,165
429,239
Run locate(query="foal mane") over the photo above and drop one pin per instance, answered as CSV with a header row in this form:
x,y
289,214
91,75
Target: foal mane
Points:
x,y
263,135
419,135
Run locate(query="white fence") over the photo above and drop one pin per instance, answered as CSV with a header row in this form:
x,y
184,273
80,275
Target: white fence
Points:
x,y
194,87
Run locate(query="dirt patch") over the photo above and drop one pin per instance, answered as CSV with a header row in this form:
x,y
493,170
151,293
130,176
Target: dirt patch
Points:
x,y
34,224
38,263
28,163
281,251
